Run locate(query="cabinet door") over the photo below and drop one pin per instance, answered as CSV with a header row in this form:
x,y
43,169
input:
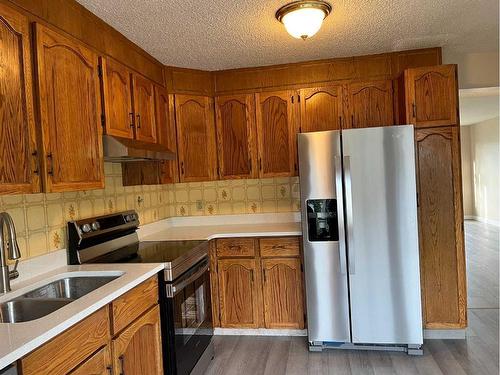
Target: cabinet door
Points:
x,y
239,298
19,172
116,88
98,364
276,133
70,113
432,96
195,138
137,350
235,125
282,291
144,109
441,228
166,134
370,104
321,109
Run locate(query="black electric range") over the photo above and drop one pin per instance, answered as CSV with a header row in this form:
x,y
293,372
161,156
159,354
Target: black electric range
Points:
x,y
185,303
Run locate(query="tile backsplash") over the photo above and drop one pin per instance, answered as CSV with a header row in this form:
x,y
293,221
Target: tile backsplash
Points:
x,y
40,219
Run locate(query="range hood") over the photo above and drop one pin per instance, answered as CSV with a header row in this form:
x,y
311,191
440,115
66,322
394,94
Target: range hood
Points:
x,y
119,150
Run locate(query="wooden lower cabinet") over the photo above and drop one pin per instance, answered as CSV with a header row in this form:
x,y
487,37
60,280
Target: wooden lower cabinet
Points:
x,y
253,292
137,350
91,348
282,293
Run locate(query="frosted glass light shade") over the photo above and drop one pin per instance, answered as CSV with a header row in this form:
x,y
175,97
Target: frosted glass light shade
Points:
x,y
303,22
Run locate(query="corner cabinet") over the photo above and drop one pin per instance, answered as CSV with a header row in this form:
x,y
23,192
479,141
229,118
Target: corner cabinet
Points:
x,y
166,133
431,96
370,104
236,136
19,171
196,144
442,255
321,109
70,113
276,133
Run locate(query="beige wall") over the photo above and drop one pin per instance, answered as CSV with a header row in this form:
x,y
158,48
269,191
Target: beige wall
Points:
x,y
475,69
481,169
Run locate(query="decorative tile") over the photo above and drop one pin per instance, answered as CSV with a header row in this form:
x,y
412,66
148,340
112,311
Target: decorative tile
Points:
x,y
55,214
37,244
36,218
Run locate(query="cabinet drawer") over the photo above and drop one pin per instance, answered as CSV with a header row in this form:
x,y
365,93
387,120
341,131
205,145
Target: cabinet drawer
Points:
x,y
134,303
99,363
70,348
280,247
236,247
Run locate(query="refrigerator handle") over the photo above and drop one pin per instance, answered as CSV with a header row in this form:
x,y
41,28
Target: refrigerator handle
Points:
x,y
349,218
340,214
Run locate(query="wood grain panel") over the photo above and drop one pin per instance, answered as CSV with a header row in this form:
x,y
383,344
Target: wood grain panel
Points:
x,y
441,228
137,350
196,144
189,81
166,133
79,342
214,283
68,85
235,247
432,96
238,293
144,109
276,134
282,293
19,170
141,173
132,304
99,364
279,247
117,98
236,136
370,104
321,109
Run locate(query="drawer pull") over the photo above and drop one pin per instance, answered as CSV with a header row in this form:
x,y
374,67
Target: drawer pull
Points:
x,y
235,247
279,247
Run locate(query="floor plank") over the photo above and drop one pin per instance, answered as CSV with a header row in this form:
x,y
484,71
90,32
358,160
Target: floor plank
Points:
x,y
477,355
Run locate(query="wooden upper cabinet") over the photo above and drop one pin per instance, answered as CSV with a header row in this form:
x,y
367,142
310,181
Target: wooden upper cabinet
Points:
x,y
239,297
442,258
370,104
321,109
276,133
117,99
70,113
19,171
235,123
144,109
166,134
432,96
282,293
137,350
196,144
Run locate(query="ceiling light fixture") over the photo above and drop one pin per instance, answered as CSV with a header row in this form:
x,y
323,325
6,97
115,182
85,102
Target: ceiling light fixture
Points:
x,y
303,18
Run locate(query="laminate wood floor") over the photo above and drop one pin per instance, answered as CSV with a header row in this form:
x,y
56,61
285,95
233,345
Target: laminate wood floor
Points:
x,y
478,354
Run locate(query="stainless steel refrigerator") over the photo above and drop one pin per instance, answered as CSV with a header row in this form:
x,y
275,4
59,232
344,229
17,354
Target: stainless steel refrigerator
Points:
x,y
360,236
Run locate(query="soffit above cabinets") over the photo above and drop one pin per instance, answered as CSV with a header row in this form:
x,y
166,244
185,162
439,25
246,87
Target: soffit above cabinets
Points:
x,y
221,34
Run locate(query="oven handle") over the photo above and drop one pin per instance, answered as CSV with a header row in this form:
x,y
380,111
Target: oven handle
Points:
x,y
172,290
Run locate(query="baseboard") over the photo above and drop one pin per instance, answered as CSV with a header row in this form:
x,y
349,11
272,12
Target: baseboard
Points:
x,y
495,223
259,332
444,334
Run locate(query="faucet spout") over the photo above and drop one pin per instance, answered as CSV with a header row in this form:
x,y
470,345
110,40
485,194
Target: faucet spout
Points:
x,y
13,253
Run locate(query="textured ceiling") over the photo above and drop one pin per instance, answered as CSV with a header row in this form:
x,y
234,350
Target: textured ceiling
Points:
x,y
223,34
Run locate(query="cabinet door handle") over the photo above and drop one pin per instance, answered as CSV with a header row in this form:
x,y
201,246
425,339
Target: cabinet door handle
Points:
x,y
109,369
131,114
251,274
352,121
182,168
340,122
414,106
35,157
122,368
260,164
264,274
138,121
50,161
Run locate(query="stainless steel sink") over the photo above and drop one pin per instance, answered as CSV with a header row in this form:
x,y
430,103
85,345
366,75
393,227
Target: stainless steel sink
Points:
x,y
49,298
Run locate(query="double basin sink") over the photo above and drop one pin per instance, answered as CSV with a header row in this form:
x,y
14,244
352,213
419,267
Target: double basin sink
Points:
x,y
50,297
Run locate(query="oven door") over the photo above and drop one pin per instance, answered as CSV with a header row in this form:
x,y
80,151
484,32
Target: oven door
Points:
x,y
190,326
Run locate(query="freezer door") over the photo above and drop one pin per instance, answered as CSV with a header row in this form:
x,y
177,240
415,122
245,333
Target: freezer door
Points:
x,y
325,260
382,235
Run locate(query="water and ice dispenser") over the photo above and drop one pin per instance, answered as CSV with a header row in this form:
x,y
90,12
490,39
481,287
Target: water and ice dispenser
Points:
x,y
322,220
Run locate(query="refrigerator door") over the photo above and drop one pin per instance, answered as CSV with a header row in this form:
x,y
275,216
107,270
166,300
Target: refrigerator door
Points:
x,y
323,236
382,233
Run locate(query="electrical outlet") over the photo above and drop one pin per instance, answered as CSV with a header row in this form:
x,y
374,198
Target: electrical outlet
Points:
x,y
199,205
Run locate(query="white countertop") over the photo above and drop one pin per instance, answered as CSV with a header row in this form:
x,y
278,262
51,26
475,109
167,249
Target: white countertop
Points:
x,y
18,339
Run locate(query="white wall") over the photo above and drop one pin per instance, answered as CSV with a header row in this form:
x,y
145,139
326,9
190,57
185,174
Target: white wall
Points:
x,y
481,170
474,69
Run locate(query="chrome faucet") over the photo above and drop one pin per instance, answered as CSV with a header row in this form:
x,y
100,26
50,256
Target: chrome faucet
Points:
x,y
10,245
